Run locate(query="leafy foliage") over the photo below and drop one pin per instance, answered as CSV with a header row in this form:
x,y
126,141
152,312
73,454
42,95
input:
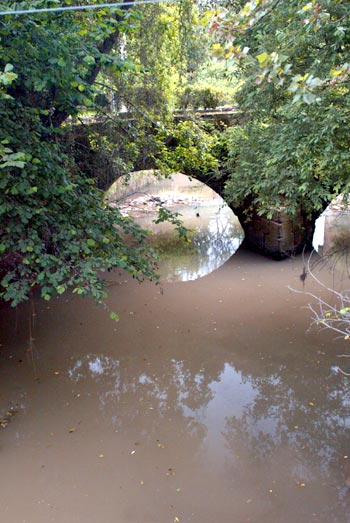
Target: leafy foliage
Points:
x,y
190,148
56,230
293,61
201,97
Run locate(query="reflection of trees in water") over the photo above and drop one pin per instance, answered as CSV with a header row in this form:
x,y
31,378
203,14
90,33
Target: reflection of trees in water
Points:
x,y
295,430
284,410
212,244
317,425
215,235
219,240
301,439
148,395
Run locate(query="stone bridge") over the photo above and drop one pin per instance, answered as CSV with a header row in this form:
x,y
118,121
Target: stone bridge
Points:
x,y
277,237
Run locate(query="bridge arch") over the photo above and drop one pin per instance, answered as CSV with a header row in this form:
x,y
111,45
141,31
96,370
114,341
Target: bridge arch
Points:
x,y
278,237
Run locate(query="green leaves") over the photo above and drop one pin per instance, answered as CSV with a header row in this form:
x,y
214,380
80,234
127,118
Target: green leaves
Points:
x,y
263,59
292,147
193,151
303,88
6,79
56,231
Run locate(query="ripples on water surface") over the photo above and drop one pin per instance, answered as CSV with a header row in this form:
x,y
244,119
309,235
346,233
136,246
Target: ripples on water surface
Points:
x,y
208,403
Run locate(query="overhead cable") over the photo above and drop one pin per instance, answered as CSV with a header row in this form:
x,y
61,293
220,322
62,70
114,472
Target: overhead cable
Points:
x,y
82,7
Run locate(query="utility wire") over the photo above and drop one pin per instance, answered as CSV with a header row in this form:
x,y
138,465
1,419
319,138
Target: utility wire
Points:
x,y
81,7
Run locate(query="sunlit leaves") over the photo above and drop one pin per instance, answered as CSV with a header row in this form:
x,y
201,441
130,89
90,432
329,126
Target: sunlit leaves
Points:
x,y
303,88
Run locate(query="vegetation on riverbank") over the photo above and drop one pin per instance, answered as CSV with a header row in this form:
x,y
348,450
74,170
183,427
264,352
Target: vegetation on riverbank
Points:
x,y
286,65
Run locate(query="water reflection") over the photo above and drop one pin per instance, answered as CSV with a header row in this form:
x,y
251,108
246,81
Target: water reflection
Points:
x,y
97,367
241,419
215,233
210,399
277,427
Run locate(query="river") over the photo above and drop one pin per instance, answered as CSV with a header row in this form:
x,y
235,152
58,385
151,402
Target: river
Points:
x,y
209,402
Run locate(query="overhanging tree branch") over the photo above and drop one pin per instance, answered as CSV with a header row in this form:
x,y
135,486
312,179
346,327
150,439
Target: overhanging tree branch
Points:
x,y
105,47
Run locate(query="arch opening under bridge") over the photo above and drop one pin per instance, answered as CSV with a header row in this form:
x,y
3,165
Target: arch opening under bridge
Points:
x,y
192,229
278,237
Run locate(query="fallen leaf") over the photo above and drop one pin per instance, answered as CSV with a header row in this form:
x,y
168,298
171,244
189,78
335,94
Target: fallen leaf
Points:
x,y
133,452
101,456
73,429
311,403
176,519
56,372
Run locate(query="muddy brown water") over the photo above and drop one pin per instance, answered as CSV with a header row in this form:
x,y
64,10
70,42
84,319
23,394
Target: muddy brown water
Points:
x,y
209,402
